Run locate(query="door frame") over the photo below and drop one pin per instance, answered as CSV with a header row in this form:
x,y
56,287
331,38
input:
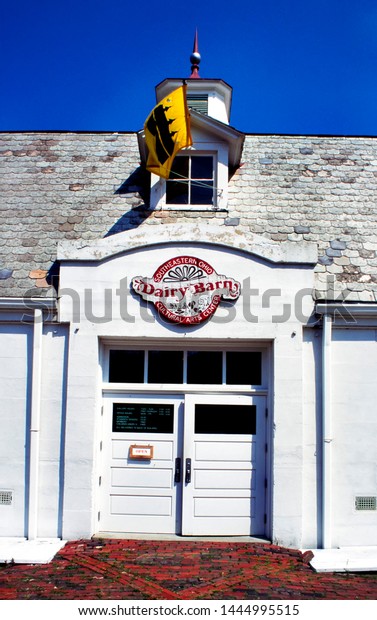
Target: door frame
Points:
x,y
184,442
126,389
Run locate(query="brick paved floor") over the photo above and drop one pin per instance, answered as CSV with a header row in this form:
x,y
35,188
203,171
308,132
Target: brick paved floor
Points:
x,y
159,570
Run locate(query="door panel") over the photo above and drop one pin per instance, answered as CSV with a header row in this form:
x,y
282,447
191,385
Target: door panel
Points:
x,y
223,479
226,494
141,495
224,450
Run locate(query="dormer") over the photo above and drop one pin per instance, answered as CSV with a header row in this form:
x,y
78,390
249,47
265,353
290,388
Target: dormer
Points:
x,y
200,173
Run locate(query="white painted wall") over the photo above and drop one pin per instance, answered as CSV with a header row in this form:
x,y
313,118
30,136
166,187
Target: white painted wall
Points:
x,y
81,441
15,385
312,350
16,343
52,430
354,451
217,108
89,295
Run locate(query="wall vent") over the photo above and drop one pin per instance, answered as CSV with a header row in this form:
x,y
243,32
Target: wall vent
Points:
x,y
366,502
6,498
199,103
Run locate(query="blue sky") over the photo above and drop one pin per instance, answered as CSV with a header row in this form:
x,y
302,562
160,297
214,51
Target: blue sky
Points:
x,y
296,67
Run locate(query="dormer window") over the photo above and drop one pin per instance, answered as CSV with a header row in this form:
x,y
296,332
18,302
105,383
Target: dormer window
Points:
x,y
191,181
198,179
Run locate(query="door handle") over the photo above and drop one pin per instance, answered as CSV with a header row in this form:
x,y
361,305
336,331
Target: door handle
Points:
x,y
188,471
177,470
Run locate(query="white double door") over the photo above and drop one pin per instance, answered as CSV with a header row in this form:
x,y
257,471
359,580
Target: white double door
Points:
x,y
190,465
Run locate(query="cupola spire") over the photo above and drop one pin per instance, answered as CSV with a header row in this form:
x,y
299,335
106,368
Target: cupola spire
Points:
x,y
195,58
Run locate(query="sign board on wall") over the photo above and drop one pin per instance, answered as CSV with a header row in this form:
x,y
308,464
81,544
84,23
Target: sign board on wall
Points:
x,y
186,289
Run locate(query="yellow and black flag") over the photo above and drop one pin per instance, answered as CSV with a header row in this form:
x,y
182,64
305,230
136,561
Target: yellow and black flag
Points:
x,y
167,131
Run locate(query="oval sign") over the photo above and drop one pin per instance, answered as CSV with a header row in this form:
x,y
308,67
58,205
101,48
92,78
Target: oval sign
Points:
x,y
186,289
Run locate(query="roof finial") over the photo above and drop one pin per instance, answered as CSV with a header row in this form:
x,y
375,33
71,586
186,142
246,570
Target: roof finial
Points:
x,y
195,58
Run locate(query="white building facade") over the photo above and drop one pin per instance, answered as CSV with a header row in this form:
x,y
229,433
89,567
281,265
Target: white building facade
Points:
x,y
189,358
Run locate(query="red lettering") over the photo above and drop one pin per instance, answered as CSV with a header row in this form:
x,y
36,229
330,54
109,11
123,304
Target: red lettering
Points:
x,y
146,289
199,288
205,266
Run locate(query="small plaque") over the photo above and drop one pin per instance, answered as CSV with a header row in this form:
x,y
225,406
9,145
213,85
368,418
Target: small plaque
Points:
x,y
141,452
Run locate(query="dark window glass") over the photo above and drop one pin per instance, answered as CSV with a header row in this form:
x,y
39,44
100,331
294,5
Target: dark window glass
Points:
x,y
225,419
204,367
180,168
202,167
142,418
126,366
177,190
202,194
165,367
177,193
244,368
202,191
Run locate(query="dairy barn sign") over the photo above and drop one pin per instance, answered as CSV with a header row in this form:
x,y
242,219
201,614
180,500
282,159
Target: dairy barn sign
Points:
x,y
186,289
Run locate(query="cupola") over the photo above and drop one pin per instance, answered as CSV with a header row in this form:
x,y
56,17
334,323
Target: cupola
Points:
x,y
200,173
212,97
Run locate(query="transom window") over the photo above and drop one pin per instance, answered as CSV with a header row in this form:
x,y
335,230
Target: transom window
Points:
x,y
185,367
191,181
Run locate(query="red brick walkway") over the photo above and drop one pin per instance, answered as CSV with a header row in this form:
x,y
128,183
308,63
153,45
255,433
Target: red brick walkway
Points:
x,y
160,570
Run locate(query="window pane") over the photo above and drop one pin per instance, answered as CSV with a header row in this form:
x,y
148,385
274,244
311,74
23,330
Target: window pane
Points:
x,y
177,192
202,194
165,367
244,367
126,366
204,367
180,168
225,419
202,167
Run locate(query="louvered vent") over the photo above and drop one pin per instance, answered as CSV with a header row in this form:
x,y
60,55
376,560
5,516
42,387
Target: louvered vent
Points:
x,y
366,502
6,498
199,103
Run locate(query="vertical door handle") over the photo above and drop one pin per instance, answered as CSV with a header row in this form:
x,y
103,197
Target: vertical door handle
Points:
x,y
188,471
177,470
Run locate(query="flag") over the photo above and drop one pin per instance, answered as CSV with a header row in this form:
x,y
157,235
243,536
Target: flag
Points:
x,y
167,131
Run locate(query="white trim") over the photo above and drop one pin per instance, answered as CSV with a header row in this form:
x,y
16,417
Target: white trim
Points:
x,y
326,432
343,309
27,303
35,426
187,388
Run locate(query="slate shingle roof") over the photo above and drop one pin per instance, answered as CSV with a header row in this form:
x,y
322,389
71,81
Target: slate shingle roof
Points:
x,y
58,185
